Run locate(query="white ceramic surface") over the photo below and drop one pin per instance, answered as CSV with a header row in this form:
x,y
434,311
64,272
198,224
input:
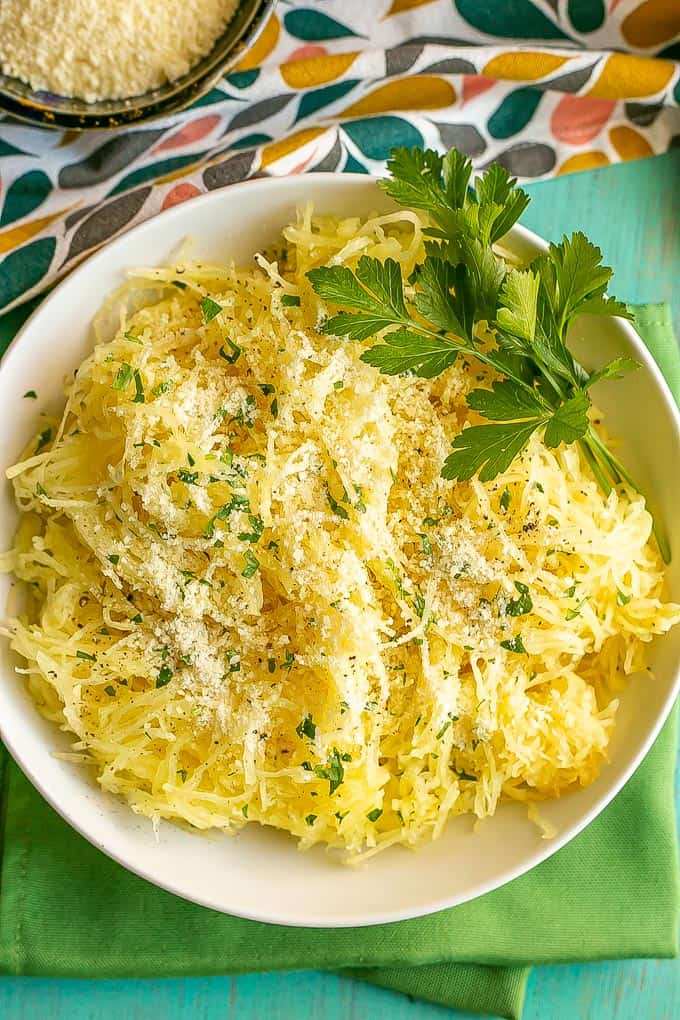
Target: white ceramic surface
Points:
x,y
260,874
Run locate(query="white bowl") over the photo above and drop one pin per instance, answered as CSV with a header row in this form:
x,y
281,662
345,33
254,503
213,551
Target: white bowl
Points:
x,y
260,873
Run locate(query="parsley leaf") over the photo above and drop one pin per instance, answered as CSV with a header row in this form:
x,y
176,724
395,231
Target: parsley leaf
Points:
x,y
487,449
164,677
406,352
210,309
333,771
522,605
336,507
416,181
569,422
515,645
519,304
44,439
236,352
375,290
306,728
123,377
435,301
497,188
257,524
139,397
252,564
615,369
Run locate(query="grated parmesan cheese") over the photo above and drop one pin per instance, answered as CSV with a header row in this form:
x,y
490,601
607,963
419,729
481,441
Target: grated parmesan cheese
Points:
x,y
254,598
94,50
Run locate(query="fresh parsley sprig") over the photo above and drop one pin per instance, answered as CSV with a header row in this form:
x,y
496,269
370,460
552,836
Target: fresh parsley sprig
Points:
x,y
462,299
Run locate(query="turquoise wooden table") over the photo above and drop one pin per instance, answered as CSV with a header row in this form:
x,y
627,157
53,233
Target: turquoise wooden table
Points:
x,y
633,212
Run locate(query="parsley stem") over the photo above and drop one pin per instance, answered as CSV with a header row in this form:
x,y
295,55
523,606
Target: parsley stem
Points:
x,y
473,352
594,464
619,472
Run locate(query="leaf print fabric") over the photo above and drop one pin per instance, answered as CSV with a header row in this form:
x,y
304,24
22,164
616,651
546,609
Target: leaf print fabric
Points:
x,y
543,87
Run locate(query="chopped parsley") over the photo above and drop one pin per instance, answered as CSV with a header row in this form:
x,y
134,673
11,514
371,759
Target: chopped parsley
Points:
x,y
188,477
310,819
244,810
123,377
333,770
290,300
271,665
252,564
537,485
427,545
274,408
463,775
137,618
246,414
571,614
336,507
621,599
237,502
257,525
110,690
288,661
515,644
307,728
43,439
235,352
267,389
522,605
233,661
210,308
506,497
31,394
339,385
139,397
182,773
164,677
132,339
374,815
80,654
113,558
160,388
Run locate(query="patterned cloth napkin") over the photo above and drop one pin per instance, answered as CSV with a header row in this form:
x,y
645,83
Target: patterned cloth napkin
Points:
x,y
542,86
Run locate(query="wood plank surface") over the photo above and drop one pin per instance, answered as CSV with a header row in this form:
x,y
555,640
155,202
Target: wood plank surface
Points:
x,y
633,212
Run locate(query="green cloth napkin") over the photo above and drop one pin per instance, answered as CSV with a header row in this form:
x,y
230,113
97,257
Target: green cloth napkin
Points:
x,y
67,910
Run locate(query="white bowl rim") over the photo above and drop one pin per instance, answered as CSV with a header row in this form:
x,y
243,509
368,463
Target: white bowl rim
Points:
x,y
387,916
